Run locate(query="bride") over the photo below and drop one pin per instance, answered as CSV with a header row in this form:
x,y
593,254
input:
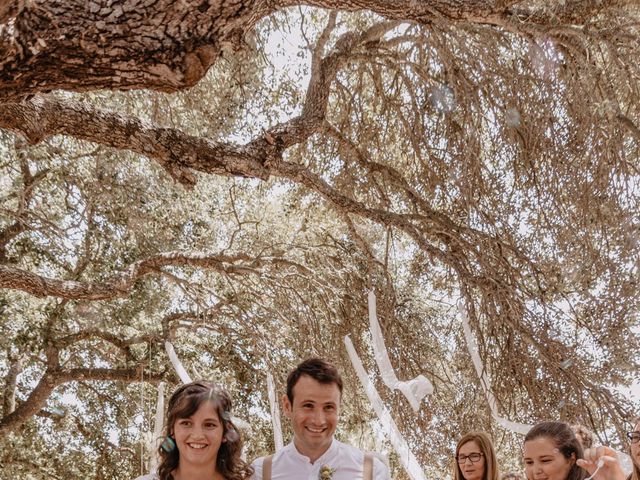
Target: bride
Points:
x,y
201,441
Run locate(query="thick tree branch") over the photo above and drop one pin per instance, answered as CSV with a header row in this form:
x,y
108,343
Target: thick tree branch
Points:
x,y
166,45
569,12
178,153
79,45
55,377
423,11
121,284
32,405
41,118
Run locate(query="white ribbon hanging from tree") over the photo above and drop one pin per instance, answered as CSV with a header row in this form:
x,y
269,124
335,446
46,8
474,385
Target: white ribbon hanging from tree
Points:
x,y
520,428
415,390
177,364
158,427
408,460
275,413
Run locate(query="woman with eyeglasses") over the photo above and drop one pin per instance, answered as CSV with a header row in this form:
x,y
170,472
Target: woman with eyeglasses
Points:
x,y
552,452
634,450
475,458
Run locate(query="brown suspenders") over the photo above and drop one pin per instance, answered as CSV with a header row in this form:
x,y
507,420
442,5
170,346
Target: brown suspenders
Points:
x,y
367,467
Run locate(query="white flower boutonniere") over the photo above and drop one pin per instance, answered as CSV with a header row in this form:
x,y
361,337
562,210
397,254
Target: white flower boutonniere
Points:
x,y
326,473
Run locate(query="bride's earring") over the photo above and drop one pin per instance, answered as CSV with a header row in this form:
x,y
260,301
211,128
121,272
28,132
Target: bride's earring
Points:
x,y
168,444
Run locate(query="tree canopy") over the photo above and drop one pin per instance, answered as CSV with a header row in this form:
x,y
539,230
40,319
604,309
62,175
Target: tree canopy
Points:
x,y
234,177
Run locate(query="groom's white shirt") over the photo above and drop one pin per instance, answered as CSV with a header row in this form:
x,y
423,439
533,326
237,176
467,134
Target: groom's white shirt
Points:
x,y
289,464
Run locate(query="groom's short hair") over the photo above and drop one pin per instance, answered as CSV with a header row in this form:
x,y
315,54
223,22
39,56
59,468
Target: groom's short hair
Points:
x,y
316,368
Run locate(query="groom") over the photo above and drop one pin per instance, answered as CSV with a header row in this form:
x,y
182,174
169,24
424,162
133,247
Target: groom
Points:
x,y
312,404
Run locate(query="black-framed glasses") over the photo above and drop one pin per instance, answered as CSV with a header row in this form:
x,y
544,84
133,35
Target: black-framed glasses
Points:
x,y
473,457
634,437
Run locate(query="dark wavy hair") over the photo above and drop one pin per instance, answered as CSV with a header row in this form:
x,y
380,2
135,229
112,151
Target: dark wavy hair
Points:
x,y
318,369
565,440
184,402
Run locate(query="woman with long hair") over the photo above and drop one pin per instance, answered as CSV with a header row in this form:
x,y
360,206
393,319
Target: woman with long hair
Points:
x,y
201,442
475,458
552,452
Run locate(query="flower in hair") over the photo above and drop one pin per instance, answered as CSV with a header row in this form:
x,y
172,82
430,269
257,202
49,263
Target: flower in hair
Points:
x,y
326,473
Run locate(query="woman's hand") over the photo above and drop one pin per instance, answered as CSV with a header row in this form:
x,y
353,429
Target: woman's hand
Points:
x,y
602,464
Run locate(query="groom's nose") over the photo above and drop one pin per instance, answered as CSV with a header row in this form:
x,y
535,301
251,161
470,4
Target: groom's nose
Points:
x,y
318,417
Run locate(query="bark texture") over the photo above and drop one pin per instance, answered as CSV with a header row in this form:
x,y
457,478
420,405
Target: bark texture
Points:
x,y
166,45
89,45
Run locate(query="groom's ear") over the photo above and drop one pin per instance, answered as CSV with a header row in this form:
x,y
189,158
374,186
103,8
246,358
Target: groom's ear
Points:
x,y
286,405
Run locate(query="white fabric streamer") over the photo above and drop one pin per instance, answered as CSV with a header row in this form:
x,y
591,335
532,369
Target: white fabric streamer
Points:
x,y
177,364
241,424
415,390
409,461
520,428
157,429
275,413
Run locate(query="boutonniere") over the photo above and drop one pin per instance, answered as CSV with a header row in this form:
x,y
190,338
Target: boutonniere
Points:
x,y
326,473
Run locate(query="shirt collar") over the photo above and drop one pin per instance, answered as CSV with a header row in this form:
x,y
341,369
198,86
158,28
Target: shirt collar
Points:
x,y
324,459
